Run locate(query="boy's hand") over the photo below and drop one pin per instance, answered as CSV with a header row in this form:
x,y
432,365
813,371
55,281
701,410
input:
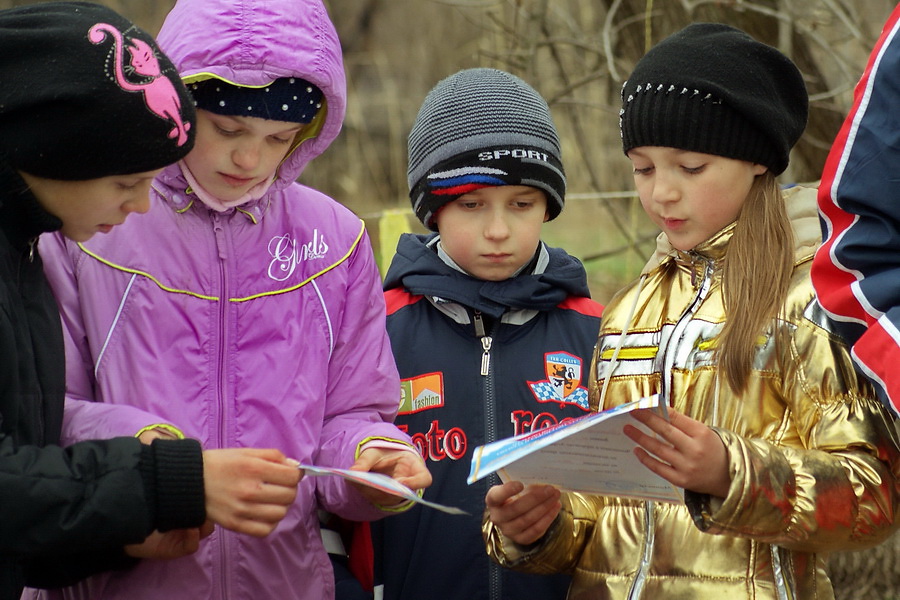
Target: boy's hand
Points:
x,y
249,490
404,466
689,455
523,514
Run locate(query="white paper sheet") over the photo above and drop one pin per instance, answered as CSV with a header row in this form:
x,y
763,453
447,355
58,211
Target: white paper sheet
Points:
x,y
379,482
590,454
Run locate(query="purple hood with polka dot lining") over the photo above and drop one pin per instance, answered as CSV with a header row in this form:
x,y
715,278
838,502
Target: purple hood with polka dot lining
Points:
x,y
253,43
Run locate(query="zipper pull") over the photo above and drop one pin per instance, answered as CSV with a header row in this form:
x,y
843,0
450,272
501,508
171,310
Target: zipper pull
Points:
x,y
694,260
697,262
219,231
485,344
486,357
31,246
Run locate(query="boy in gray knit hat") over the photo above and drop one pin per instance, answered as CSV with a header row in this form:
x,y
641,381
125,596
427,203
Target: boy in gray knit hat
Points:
x,y
482,128
492,329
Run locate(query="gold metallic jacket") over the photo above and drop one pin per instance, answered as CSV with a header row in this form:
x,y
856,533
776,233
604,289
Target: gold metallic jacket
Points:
x,y
813,455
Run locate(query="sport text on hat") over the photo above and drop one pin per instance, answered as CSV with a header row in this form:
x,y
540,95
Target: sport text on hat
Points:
x,y
480,128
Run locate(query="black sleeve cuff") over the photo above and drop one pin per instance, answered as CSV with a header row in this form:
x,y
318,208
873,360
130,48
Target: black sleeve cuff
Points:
x,y
60,571
700,508
173,478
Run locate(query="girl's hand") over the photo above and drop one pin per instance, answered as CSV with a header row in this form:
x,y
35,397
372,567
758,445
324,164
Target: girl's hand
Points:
x,y
689,453
523,514
404,466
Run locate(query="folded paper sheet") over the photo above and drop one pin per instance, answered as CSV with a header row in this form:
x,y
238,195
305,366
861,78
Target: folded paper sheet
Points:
x,y
589,454
380,482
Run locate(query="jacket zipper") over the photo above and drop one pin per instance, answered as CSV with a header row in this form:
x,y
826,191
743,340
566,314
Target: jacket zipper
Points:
x,y
678,331
222,395
24,274
783,587
640,578
495,589
486,342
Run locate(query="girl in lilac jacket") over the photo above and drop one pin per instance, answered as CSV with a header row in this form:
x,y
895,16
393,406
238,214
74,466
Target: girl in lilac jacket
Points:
x,y
245,309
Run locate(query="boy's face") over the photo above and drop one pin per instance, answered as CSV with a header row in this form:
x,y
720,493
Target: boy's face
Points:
x,y
93,205
493,231
234,154
691,195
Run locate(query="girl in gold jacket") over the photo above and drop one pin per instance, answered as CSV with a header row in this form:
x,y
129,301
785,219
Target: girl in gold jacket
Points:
x,y
781,447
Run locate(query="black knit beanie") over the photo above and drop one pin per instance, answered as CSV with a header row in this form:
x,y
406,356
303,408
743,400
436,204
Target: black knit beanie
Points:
x,y
86,94
713,89
481,128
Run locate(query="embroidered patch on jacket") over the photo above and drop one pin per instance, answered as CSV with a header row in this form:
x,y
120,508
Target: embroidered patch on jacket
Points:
x,y
563,383
422,392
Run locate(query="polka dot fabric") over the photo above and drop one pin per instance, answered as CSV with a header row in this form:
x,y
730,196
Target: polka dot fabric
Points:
x,y
287,99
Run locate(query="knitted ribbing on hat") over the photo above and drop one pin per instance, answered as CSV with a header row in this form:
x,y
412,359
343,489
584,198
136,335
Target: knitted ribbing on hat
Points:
x,y
484,109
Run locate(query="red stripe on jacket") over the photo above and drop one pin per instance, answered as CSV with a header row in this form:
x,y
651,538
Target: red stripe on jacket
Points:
x,y
832,282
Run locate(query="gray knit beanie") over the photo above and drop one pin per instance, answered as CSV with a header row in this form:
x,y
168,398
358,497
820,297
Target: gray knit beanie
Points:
x,y
481,128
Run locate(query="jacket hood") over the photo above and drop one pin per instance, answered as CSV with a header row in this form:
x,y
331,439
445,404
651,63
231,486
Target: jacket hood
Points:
x,y
419,269
254,42
802,210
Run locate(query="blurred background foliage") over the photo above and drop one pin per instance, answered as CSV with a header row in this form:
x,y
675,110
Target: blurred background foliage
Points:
x,y
577,53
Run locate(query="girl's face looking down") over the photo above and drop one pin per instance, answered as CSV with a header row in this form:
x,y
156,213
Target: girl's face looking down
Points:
x,y
691,195
233,154
94,205
492,232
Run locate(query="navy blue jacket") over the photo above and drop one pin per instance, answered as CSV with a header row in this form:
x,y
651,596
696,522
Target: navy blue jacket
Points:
x,y
856,271
479,361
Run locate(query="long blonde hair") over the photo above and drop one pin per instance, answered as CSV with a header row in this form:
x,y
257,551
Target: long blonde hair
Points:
x,y
755,277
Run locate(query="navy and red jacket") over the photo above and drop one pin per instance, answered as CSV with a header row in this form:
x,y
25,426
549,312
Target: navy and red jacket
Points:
x,y
856,271
479,361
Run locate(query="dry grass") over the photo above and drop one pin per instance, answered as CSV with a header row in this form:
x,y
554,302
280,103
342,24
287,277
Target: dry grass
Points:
x,y
867,574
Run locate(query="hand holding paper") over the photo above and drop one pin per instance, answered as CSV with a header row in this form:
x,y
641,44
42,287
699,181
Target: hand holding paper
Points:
x,y
523,513
381,483
405,466
684,452
590,454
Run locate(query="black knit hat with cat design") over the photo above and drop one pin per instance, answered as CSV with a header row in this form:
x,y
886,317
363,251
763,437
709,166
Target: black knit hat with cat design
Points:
x,y
712,88
85,94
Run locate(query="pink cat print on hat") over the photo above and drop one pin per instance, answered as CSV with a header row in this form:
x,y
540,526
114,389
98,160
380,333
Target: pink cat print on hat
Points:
x,y
159,92
116,104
